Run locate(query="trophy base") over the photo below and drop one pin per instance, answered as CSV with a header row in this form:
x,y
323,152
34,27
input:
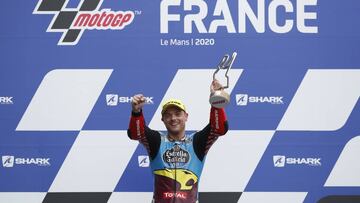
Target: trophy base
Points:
x,y
219,99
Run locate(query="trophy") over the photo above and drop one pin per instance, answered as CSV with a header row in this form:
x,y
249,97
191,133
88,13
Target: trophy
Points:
x,y
220,98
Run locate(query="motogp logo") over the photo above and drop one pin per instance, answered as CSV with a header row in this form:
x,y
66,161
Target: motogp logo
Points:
x,y
72,22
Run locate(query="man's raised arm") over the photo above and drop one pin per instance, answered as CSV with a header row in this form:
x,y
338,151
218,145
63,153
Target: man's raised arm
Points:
x,y
136,129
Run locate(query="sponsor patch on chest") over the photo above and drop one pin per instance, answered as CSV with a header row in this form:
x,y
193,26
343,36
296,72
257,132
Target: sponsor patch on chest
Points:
x,y
176,155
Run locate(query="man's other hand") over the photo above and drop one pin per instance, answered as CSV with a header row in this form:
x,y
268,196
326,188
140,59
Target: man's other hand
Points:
x,y
215,85
137,103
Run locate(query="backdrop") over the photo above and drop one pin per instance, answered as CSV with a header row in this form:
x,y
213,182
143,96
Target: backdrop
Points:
x,y
69,69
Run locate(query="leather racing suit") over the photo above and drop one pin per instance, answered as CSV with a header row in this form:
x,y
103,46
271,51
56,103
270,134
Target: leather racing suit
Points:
x,y
177,165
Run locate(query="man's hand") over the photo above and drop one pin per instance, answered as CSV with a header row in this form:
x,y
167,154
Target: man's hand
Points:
x,y
137,103
215,85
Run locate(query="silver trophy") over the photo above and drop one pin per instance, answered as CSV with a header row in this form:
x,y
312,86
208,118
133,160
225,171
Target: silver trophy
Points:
x,y
220,98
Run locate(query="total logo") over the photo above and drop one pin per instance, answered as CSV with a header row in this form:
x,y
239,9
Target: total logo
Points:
x,y
281,161
72,22
10,161
6,100
245,99
115,99
177,195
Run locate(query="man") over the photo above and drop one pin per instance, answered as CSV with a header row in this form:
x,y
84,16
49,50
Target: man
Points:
x,y
176,158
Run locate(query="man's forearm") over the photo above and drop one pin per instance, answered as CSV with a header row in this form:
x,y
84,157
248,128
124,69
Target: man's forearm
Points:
x,y
136,126
218,121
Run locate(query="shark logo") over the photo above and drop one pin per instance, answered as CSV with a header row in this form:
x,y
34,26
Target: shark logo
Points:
x,y
112,99
279,160
241,99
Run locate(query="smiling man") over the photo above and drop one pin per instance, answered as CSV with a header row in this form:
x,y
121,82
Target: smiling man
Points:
x,y
176,158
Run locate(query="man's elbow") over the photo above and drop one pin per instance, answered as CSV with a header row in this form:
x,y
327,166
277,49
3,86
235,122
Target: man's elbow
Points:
x,y
131,136
224,130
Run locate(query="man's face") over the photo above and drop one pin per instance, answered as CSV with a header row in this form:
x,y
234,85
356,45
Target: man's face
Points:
x,y
174,120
